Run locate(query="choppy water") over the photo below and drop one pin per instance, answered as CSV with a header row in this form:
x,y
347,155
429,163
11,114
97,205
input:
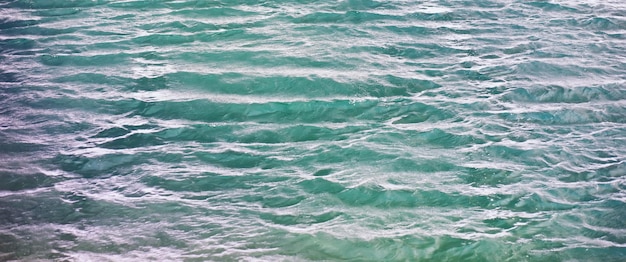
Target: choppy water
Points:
x,y
304,130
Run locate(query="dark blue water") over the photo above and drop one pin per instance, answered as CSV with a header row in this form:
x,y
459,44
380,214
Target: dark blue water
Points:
x,y
312,130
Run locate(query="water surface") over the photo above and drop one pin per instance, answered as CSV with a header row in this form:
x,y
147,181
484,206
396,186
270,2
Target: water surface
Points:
x,y
304,130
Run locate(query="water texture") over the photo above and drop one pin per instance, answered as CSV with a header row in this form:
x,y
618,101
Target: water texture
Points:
x,y
300,130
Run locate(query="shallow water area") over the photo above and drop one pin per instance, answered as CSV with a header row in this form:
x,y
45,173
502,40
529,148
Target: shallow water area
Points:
x,y
302,130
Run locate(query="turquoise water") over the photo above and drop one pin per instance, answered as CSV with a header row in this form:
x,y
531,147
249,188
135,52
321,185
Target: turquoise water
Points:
x,y
305,130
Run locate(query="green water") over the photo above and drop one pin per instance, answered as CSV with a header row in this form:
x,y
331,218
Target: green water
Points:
x,y
312,130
